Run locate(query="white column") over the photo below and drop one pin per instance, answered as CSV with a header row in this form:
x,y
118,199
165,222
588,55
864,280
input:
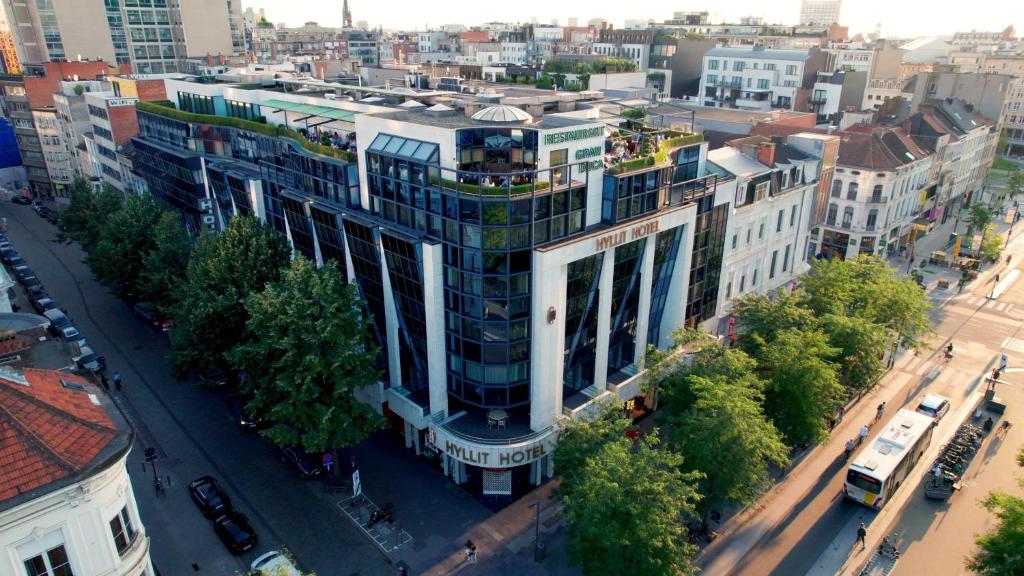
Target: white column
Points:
x,y
674,316
390,315
643,313
547,345
433,301
604,312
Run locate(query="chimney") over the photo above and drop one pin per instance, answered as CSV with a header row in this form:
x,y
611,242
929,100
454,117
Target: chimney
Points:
x,y
766,154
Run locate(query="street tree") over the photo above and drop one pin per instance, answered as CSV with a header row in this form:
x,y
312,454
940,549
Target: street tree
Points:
x,y
86,214
802,390
307,351
726,435
991,244
1015,183
225,268
162,267
124,239
580,441
1001,549
760,318
866,287
628,509
978,217
861,346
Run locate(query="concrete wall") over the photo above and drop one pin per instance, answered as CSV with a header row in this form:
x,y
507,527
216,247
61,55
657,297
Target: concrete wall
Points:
x,y
687,64
206,27
84,30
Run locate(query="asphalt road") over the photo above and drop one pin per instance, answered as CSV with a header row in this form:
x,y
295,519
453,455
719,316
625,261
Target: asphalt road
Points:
x,y
195,434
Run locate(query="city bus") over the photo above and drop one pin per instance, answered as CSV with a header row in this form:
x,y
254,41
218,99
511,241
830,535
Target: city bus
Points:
x,y
879,469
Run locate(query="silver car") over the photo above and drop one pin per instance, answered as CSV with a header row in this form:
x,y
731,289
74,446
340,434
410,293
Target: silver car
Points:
x,y
934,405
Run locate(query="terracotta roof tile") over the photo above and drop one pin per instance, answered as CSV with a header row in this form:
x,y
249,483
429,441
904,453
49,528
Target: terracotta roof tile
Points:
x,y
47,431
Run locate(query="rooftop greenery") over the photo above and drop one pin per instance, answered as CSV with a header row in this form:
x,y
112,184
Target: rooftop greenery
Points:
x,y
166,109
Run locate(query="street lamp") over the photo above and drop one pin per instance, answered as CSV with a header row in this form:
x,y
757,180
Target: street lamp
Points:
x,y
537,549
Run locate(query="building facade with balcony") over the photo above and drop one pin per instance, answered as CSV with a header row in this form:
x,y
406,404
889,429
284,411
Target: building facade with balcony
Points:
x,y
881,183
758,79
66,501
772,186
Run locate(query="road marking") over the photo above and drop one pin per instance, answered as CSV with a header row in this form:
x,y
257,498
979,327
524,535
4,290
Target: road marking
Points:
x,y
1001,306
1015,344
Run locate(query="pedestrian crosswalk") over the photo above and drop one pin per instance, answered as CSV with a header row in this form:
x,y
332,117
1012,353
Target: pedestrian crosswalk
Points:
x,y
1015,344
988,304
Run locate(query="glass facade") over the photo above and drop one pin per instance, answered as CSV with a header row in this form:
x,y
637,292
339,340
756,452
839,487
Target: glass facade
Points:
x,y
488,215
366,268
405,273
706,260
666,248
581,308
625,303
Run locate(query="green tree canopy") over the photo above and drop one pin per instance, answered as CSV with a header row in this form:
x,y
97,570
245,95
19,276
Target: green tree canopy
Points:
x,y
1001,549
991,243
627,504
307,351
164,265
866,287
225,268
124,238
761,318
978,217
861,346
725,435
87,212
1015,183
802,390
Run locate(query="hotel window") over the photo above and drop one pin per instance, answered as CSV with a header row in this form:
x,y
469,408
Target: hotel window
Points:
x,y
734,240
760,231
785,259
712,64
851,191
872,218
771,270
791,70
559,158
54,562
837,188
753,279
778,223
763,84
743,283
737,66
769,67
830,219
761,190
712,78
122,530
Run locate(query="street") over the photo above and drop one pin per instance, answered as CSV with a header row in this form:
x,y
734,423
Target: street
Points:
x,y
806,526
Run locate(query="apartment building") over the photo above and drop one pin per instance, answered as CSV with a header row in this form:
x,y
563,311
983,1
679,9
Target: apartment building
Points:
x,y
758,79
1004,63
154,36
74,122
66,501
819,12
774,185
23,94
632,45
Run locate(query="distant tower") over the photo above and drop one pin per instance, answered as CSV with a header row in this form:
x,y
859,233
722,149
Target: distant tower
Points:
x,y
346,16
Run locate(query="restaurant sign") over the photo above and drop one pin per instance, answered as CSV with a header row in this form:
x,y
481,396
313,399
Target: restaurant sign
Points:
x,y
574,135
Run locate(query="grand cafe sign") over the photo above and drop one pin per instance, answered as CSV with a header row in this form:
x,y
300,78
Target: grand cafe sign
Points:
x,y
495,456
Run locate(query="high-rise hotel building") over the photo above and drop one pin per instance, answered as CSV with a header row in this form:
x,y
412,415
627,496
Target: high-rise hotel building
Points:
x,y
512,276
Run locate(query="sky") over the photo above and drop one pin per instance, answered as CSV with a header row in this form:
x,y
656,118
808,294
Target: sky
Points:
x,y
899,18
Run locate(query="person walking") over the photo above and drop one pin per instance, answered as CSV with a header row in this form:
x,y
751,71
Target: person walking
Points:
x,y
840,413
470,551
117,381
862,434
880,412
862,532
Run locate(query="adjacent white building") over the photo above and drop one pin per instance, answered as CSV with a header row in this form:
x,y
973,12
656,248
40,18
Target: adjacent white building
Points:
x,y
66,502
758,79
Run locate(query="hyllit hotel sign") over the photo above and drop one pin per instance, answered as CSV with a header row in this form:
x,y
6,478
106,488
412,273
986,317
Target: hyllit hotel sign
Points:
x,y
495,456
635,233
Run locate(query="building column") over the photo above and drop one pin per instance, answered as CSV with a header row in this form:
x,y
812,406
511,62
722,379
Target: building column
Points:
x,y
604,313
390,315
433,301
410,431
307,210
643,314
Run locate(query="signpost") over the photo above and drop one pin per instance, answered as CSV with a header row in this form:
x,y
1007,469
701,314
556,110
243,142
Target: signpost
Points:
x,y
357,487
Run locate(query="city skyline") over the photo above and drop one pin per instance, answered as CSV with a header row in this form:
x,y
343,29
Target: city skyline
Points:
x,y
896,19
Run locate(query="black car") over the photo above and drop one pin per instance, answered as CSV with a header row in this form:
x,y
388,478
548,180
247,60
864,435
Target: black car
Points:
x,y
8,254
45,303
235,532
244,416
21,272
206,493
35,289
304,463
17,262
147,313
23,200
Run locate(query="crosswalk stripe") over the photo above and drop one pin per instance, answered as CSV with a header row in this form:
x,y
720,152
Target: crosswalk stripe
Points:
x,y
1001,306
1015,344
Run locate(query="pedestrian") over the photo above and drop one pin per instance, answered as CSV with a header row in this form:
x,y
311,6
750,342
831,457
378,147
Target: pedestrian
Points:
x,y
841,413
997,278
472,555
862,434
848,450
831,423
880,411
862,532
117,381
1003,360
469,549
328,461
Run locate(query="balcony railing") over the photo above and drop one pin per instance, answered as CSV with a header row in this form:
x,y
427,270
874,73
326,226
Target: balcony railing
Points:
x,y
727,84
818,99
877,200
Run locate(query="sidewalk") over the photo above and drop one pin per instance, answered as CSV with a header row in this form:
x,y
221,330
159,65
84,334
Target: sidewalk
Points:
x,y
741,533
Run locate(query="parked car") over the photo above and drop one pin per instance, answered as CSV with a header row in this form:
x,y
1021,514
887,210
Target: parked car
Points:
x,y
244,417
6,254
147,313
33,286
71,335
934,405
305,464
87,360
42,305
23,200
58,321
208,496
51,215
213,379
21,271
37,206
235,532
274,563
